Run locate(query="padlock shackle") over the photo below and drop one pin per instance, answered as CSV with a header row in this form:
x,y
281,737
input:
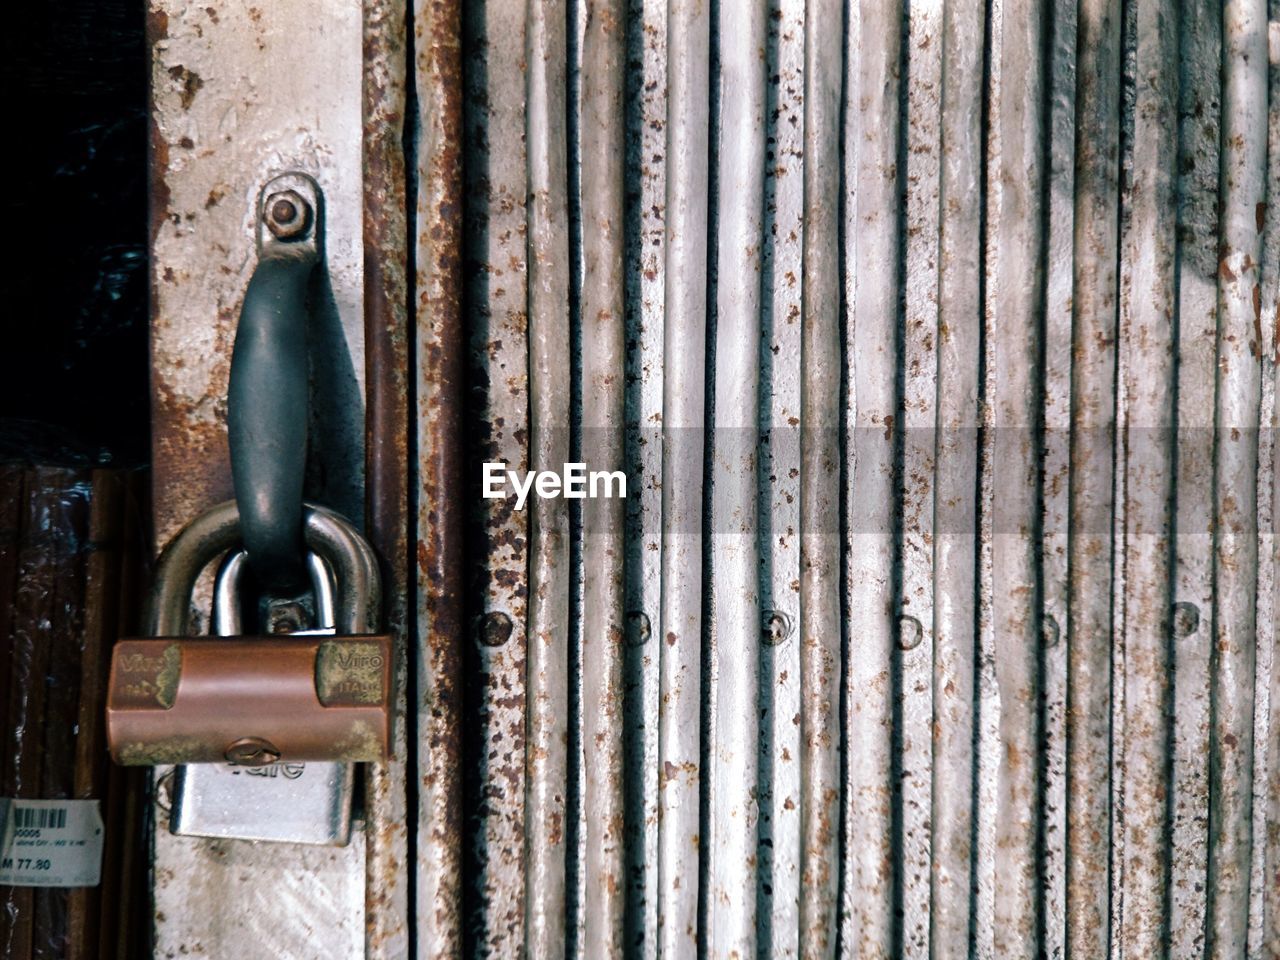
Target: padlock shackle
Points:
x,y
227,618
358,598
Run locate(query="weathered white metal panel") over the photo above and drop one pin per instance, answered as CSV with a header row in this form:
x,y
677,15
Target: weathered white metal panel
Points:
x,y
241,92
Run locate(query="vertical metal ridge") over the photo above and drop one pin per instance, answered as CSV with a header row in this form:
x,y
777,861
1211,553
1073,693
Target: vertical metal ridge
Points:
x,y
735,602
683,386
1268,798
820,356
439,528
1145,457
872,242
496,224
646,119
959,333
1264,904
1269,945
1056,470
778,880
1199,60
1262,665
603,371
385,234
987,739
546,757
1266,304
1119,560
921,161
1093,410
1014,319
576,868
778,877
1241,190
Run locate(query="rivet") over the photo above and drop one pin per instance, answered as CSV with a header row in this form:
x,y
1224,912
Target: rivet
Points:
x,y
1186,619
910,632
1050,632
776,628
495,629
638,628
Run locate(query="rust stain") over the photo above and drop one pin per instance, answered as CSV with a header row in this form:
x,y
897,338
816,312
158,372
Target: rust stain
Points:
x,y
440,460
190,461
189,84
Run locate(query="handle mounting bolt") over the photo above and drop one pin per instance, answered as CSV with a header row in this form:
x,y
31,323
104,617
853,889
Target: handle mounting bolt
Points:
x,y
287,215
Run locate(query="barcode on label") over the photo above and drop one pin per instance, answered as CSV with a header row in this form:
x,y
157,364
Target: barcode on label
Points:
x,y
43,818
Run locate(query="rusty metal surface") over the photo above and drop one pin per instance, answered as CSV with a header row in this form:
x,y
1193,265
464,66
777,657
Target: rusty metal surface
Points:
x,y
1145,459
779,879
439,534
922,58
1199,133
1056,470
819,637
1092,431
1242,173
387,374
645,287
497,417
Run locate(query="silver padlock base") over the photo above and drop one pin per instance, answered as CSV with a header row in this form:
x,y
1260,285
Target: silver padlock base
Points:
x,y
283,802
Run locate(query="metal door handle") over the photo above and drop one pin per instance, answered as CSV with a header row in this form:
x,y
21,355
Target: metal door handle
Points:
x,y
267,402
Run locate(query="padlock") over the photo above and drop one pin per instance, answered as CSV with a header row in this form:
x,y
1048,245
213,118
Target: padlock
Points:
x,y
263,730
259,700
282,802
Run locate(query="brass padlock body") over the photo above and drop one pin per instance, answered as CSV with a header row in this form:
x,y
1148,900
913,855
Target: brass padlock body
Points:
x,y
200,700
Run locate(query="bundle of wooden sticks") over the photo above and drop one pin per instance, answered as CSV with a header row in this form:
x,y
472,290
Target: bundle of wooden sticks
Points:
x,y
72,544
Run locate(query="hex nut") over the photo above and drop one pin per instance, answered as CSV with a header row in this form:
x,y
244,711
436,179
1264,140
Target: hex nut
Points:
x,y
288,215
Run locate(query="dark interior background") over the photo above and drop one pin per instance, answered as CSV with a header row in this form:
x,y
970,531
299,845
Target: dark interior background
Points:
x,y
73,287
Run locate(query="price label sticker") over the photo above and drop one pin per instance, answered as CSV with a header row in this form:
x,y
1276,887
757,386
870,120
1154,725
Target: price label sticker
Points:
x,y
50,843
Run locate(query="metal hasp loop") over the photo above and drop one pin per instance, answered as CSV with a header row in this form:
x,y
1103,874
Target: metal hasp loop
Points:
x,y
267,395
355,568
